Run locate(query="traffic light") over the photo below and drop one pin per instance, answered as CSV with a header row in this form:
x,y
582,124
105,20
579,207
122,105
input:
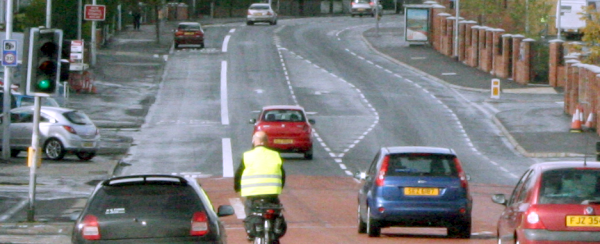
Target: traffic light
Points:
x,y
43,49
65,65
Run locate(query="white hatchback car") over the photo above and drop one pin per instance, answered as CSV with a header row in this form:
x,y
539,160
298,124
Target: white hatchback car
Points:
x,y
261,12
62,130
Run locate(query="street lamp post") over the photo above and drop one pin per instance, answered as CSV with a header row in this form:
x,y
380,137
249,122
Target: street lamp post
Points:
x,y
457,5
558,17
377,17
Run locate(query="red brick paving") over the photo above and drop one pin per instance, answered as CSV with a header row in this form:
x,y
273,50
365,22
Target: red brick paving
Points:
x,y
322,209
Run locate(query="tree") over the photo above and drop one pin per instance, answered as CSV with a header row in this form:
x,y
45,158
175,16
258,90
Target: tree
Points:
x,y
64,14
511,15
156,5
591,35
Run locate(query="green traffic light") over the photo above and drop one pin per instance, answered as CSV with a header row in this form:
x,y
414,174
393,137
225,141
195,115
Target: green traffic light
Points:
x,y
44,85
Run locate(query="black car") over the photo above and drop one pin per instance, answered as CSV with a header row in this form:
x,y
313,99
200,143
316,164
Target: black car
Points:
x,y
150,209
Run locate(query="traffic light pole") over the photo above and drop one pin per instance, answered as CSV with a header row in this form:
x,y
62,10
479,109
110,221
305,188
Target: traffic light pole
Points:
x,y
35,144
48,13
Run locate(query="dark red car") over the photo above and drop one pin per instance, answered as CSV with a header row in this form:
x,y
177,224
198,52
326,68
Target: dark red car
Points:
x,y
189,33
553,202
287,127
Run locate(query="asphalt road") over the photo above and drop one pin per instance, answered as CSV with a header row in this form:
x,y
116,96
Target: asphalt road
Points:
x,y
172,105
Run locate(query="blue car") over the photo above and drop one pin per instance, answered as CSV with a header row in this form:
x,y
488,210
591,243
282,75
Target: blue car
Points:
x,y
415,187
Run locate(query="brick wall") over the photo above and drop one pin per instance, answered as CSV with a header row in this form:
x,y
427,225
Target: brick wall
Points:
x,y
510,56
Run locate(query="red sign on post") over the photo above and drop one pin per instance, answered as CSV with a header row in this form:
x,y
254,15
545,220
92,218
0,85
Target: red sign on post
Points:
x,y
94,12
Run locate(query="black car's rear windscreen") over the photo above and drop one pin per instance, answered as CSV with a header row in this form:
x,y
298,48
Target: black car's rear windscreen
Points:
x,y
145,200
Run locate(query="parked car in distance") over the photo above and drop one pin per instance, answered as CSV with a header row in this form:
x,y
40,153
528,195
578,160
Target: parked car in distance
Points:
x,y
415,187
61,131
364,7
25,100
261,12
553,202
189,33
287,128
150,209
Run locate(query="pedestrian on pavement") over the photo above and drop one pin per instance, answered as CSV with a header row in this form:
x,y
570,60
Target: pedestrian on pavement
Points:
x,y
260,176
137,15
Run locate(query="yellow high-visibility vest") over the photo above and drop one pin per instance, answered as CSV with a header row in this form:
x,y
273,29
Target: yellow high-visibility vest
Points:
x,y
262,172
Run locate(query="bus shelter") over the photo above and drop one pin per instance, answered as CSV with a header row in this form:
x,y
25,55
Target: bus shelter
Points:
x,y
417,19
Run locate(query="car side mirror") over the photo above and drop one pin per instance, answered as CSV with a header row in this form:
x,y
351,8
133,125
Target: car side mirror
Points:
x,y
360,175
252,121
311,121
499,199
225,210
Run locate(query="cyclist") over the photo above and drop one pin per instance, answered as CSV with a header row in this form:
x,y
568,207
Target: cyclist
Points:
x,y
259,177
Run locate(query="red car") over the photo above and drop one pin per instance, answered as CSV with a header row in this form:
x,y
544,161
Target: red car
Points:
x,y
553,202
189,33
287,127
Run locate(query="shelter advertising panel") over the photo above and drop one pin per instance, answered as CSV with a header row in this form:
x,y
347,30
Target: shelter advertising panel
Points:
x,y
417,24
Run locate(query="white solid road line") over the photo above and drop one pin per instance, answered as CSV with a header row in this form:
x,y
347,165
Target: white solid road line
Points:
x,y
227,158
238,207
224,106
226,142
225,42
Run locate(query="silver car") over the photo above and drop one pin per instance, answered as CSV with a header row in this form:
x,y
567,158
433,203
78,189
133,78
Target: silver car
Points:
x,y
364,7
261,12
62,130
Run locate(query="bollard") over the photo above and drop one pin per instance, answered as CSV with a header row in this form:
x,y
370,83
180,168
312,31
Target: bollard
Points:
x,y
496,88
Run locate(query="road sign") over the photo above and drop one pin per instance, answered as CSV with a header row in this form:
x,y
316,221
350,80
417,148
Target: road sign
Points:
x,y
9,53
76,46
94,12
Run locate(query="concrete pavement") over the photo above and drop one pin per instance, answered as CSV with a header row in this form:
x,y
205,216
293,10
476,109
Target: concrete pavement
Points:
x,y
530,116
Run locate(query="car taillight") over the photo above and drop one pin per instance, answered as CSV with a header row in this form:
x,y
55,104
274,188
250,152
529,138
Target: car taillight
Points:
x,y
381,174
371,3
270,214
269,13
353,3
532,219
70,129
90,229
97,132
461,173
199,224
199,33
179,33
